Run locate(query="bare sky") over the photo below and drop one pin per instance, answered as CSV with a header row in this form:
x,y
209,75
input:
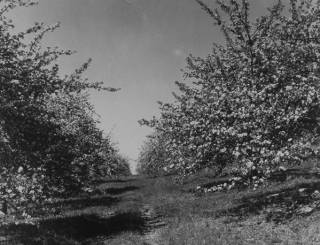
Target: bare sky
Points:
x,y
136,45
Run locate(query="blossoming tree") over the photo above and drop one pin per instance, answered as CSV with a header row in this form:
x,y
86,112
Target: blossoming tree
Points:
x,y
254,101
49,140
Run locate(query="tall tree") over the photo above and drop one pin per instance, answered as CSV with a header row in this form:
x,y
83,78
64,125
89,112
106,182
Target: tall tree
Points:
x,y
254,102
49,139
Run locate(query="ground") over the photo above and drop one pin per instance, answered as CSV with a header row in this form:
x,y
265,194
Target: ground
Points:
x,y
144,210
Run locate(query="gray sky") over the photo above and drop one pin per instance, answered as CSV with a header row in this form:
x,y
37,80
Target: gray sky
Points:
x,y
136,45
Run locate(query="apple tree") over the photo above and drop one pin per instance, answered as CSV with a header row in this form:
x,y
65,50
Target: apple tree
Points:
x,y
253,102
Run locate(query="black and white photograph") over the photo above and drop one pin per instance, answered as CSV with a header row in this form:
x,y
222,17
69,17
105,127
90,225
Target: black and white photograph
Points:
x,y
159,122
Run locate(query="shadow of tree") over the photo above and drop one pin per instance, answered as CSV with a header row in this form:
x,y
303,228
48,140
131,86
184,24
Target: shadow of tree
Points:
x,y
102,181
73,204
119,181
277,205
78,228
121,190
88,202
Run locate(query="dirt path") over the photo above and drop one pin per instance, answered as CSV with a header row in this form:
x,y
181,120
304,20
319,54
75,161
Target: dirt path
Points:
x,y
139,216
154,223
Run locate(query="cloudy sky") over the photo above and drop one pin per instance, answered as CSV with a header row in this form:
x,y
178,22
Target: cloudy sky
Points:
x,y
136,45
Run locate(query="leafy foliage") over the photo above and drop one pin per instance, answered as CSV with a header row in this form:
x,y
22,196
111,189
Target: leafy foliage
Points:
x,y
121,165
253,102
153,156
49,139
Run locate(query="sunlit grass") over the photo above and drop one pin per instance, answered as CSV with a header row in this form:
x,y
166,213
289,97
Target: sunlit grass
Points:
x,y
192,219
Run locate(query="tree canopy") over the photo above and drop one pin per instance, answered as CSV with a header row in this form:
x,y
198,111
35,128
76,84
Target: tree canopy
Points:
x,y
50,142
253,102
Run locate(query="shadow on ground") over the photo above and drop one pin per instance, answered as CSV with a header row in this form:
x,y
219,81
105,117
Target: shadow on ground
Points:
x,y
74,204
121,190
102,181
279,205
69,230
88,202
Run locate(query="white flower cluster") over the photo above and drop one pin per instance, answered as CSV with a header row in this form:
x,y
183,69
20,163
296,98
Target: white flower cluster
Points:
x,y
235,182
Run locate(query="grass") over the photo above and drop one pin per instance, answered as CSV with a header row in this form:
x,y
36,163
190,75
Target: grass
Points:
x,y
210,231
216,219
253,230
113,214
